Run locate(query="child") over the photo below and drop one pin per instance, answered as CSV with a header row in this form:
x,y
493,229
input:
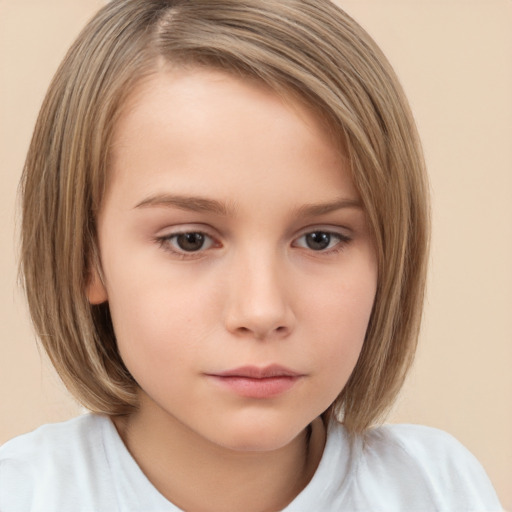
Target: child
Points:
x,y
224,244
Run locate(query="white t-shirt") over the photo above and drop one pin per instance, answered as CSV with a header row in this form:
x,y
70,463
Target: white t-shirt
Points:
x,y
82,465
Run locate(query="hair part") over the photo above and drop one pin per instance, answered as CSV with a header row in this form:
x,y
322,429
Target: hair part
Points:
x,y
308,48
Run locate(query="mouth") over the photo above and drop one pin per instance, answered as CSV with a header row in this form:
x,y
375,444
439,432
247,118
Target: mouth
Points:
x,y
256,382
255,372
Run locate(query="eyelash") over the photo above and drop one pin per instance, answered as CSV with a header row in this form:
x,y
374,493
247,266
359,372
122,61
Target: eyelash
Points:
x,y
342,241
166,243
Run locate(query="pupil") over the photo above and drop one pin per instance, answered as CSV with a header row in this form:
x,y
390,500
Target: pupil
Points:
x,y
318,240
190,241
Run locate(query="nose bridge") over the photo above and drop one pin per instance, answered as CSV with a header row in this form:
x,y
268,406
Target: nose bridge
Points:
x,y
258,301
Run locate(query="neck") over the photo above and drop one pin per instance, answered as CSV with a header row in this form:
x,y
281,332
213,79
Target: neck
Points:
x,y
195,474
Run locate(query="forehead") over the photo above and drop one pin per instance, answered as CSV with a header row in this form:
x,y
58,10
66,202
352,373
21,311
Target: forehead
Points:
x,y
182,82
188,125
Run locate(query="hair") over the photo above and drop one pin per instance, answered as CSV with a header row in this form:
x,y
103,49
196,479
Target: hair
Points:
x,y
309,48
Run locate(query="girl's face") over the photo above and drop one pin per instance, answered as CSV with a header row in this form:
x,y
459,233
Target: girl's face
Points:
x,y
238,264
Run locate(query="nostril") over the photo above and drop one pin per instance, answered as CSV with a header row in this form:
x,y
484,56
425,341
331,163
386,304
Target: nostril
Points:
x,y
262,333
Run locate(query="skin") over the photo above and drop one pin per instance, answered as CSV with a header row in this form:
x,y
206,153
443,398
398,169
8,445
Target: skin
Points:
x,y
202,151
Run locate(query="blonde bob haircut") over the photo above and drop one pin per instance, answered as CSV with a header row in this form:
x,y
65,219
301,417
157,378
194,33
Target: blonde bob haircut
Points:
x,y
309,48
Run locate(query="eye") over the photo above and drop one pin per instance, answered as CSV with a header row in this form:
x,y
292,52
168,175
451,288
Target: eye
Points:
x,y
322,240
186,242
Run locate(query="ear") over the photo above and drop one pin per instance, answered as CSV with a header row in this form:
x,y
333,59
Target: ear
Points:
x,y
95,289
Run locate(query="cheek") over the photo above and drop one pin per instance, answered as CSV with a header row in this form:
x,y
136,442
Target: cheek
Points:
x,y
162,319
156,320
341,321
344,307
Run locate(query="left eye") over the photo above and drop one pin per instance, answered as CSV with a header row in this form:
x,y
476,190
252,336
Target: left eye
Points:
x,y
320,240
192,241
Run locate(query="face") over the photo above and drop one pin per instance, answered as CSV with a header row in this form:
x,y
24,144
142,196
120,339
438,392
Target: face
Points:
x,y
237,261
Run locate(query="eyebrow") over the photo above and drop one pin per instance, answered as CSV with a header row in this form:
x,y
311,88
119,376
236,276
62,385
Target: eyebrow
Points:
x,y
202,204
315,210
190,203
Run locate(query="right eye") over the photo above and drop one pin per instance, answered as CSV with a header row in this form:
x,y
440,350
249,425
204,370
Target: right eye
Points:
x,y
186,242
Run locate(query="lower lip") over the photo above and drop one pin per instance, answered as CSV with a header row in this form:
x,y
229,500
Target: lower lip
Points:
x,y
257,388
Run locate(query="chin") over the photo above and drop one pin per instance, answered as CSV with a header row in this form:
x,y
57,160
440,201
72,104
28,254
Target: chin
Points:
x,y
257,436
250,444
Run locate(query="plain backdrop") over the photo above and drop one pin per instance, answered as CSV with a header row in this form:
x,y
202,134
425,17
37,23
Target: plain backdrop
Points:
x,y
454,59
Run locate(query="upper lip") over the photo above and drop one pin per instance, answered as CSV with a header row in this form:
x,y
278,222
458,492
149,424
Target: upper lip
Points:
x,y
255,372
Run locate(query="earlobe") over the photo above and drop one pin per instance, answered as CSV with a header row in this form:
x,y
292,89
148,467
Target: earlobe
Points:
x,y
95,289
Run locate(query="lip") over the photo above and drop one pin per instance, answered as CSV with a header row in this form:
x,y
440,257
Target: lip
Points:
x,y
256,372
257,382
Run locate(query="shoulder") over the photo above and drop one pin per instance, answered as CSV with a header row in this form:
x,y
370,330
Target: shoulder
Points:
x,y
417,461
52,441
416,444
34,466
396,468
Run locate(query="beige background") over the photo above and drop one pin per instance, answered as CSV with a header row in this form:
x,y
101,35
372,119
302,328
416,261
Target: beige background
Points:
x,y
455,61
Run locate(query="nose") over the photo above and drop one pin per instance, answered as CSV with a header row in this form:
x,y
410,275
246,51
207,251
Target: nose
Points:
x,y
259,301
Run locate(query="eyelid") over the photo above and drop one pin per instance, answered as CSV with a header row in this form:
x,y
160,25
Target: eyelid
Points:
x,y
343,238
342,231
164,240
